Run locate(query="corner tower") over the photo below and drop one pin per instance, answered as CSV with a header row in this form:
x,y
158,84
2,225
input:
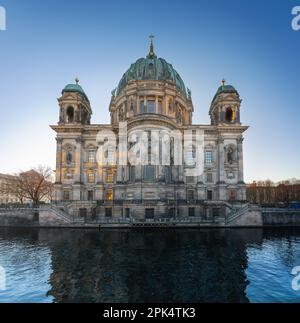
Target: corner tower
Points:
x,y
225,107
74,105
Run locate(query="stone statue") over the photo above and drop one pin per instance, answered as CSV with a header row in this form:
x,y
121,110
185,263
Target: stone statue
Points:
x,y
230,155
121,115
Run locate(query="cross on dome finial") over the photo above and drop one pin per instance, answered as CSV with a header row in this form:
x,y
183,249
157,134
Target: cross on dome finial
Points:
x,y
223,81
77,80
151,53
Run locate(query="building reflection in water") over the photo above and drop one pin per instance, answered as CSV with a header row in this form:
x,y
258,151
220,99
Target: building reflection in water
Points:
x,y
149,266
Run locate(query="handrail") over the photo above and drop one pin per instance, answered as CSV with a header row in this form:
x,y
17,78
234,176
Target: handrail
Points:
x,y
236,213
67,217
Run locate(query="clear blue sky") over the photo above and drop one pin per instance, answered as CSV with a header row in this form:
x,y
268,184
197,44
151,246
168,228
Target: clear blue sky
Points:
x,y
251,43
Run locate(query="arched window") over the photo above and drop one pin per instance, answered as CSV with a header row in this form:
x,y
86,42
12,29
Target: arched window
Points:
x,y
151,106
229,115
70,115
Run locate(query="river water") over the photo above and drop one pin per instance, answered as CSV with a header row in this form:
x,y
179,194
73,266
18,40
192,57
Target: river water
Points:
x,y
182,265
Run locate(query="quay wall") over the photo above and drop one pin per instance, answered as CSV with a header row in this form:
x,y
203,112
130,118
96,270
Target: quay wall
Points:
x,y
19,219
46,217
281,217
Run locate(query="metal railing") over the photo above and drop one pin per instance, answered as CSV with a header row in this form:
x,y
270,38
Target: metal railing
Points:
x,y
172,221
143,201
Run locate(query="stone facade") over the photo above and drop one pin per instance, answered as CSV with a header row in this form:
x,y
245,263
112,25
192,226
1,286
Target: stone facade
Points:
x,y
150,98
5,197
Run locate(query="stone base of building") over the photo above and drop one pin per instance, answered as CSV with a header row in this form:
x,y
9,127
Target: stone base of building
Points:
x,y
140,211
150,214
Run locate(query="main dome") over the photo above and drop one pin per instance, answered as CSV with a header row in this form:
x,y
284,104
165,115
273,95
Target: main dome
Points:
x,y
152,68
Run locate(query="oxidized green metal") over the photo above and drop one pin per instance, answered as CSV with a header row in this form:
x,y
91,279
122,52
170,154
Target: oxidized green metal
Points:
x,y
152,68
75,88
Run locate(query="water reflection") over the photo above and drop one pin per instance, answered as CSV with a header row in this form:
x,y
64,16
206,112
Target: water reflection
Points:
x,y
150,266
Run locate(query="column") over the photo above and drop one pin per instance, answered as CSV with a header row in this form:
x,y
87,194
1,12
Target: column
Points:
x,y
138,106
58,173
120,174
145,105
221,170
221,185
240,160
156,104
165,106
78,165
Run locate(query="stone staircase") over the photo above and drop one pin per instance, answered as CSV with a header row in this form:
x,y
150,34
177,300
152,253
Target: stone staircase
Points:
x,y
51,214
237,215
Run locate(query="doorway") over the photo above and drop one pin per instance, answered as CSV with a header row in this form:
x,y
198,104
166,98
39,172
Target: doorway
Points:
x,y
149,214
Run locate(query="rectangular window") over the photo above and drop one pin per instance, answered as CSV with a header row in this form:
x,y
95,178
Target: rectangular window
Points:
x,y
90,195
208,157
209,195
191,211
149,214
109,156
127,213
190,195
109,195
91,177
190,156
209,178
151,106
232,195
66,196
109,177
108,212
91,156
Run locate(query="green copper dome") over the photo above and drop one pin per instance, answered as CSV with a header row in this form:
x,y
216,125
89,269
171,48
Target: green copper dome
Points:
x,y
75,88
226,89
152,68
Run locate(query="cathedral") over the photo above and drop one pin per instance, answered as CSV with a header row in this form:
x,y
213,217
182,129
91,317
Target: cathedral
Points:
x,y
151,97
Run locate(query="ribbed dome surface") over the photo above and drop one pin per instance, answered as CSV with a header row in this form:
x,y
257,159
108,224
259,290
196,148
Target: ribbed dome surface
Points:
x,y
152,68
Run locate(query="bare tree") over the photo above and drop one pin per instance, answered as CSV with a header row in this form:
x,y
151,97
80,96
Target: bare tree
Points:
x,y
34,185
267,192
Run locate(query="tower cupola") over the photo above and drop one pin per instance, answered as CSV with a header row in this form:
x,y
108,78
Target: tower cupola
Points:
x,y
74,105
225,106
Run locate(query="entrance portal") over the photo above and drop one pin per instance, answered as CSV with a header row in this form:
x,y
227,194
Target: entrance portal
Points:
x,y
149,214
